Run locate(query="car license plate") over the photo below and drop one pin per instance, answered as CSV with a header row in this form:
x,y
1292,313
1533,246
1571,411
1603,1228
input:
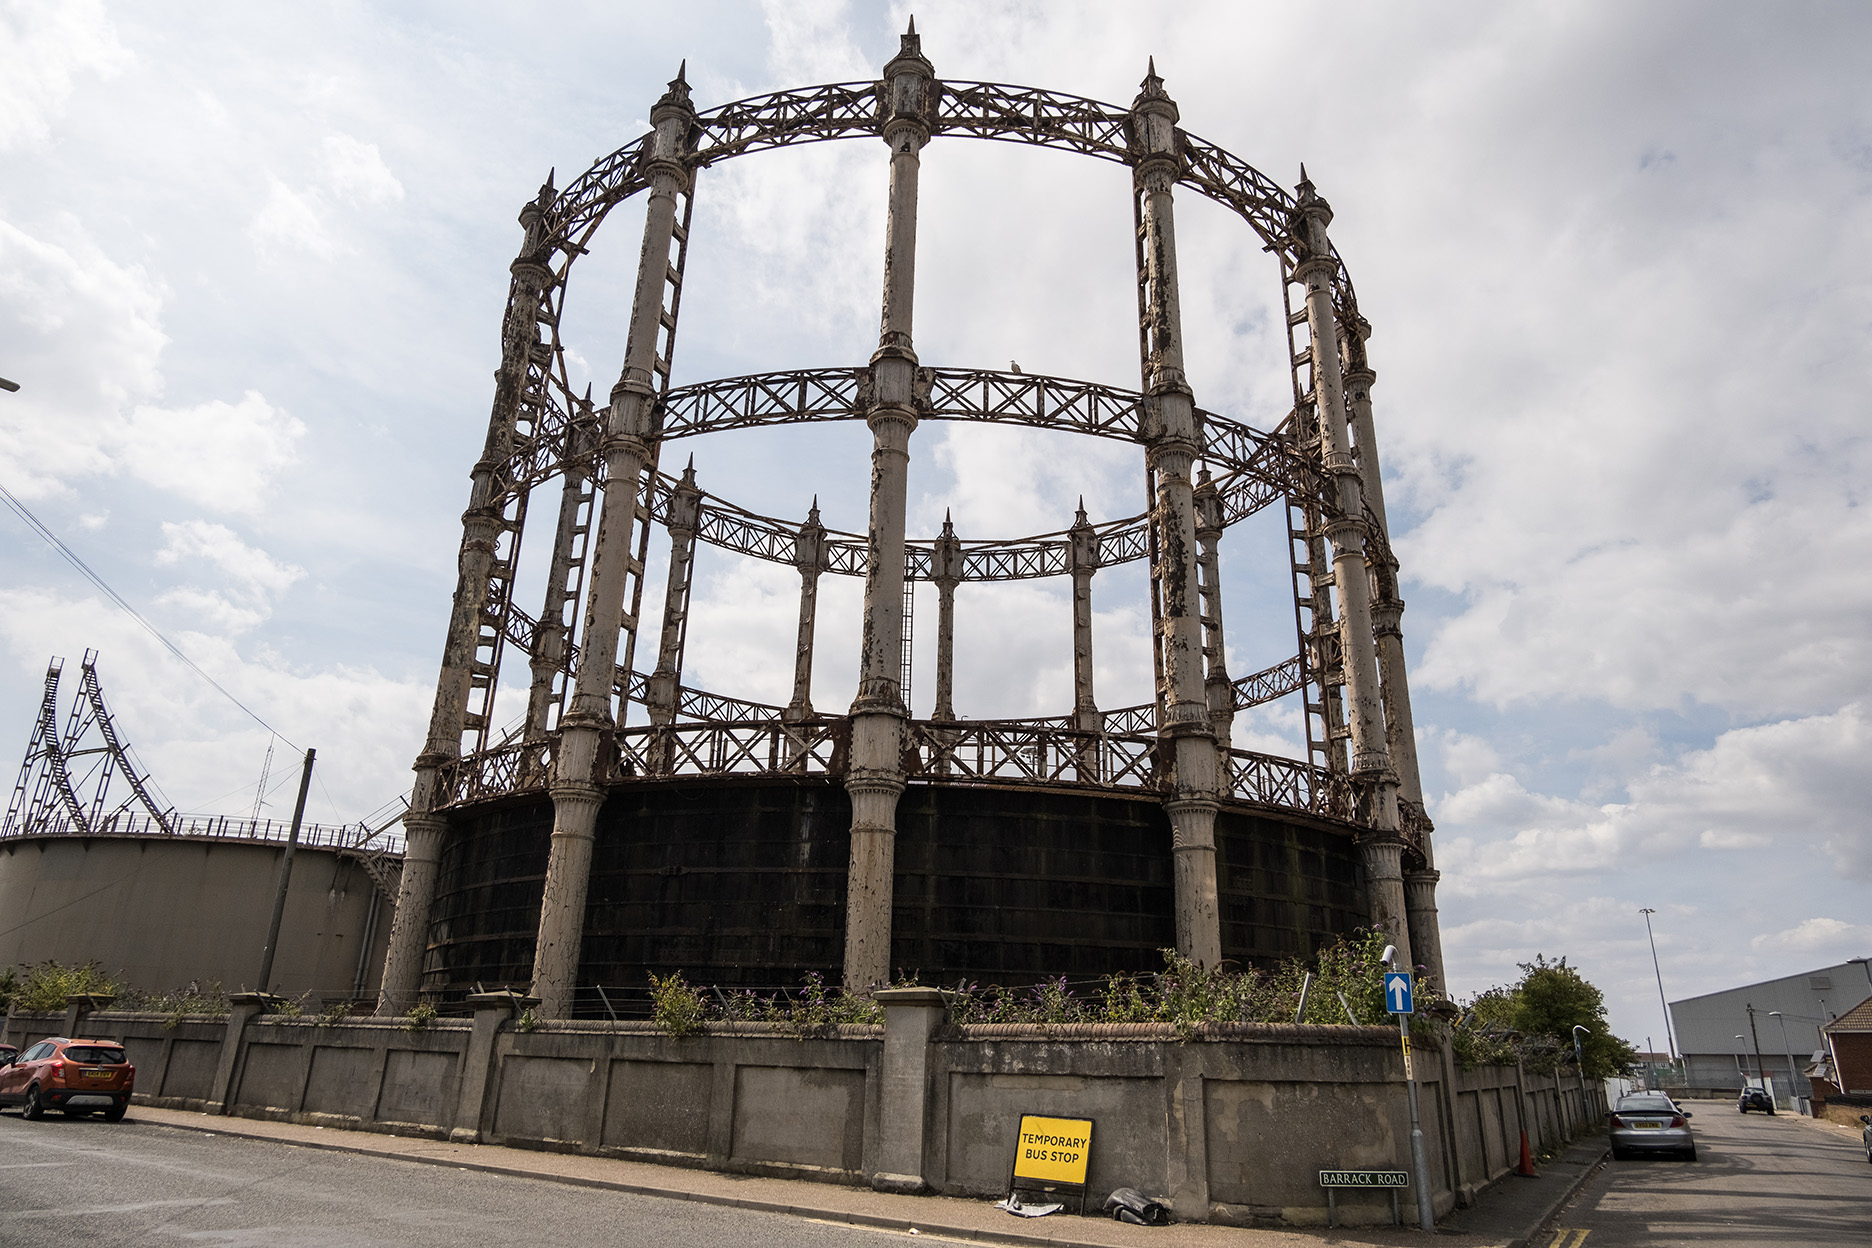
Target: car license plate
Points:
x,y
97,1074
1648,1126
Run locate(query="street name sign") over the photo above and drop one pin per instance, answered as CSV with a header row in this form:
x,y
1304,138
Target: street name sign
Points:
x,y
1397,992
1364,1178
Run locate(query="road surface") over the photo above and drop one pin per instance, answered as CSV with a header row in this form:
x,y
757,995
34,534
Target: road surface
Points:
x,y
1775,1182
66,1181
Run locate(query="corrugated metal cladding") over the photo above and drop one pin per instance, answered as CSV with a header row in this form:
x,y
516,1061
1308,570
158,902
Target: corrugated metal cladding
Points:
x,y
742,885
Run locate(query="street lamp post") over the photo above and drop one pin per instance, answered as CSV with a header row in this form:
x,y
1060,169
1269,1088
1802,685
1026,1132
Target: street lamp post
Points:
x,y
1670,1039
1793,1074
1579,1066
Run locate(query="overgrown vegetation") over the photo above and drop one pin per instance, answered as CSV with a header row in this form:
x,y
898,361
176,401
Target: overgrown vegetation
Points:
x,y
420,1017
1533,1020
46,985
1343,985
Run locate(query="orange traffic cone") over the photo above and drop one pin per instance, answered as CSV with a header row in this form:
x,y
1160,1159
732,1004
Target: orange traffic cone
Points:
x,y
1527,1158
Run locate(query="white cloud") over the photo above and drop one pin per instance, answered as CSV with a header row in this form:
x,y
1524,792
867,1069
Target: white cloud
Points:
x,y
219,455
1816,935
1794,785
292,221
252,580
355,171
49,44
83,336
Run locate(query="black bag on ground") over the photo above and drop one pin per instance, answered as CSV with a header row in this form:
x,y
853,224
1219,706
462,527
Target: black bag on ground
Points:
x,y
1127,1204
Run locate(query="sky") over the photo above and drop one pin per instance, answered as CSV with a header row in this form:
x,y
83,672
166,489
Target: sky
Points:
x,y
253,259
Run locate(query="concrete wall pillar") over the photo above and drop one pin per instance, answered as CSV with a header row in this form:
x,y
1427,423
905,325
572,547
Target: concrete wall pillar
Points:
x,y
629,434
1172,448
874,777
911,1017
491,1012
243,1007
423,836
79,1006
684,512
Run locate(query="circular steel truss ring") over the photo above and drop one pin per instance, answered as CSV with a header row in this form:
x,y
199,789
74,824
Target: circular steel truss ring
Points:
x,y
1258,468
981,110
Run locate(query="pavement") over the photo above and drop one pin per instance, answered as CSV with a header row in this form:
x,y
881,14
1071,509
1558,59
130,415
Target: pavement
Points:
x,y
1508,1215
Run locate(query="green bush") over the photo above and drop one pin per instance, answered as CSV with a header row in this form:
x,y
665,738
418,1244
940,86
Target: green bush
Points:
x,y
676,1007
1532,1021
45,985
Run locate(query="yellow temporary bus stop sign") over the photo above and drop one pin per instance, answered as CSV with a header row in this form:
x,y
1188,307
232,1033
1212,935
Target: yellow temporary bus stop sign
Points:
x,y
1052,1152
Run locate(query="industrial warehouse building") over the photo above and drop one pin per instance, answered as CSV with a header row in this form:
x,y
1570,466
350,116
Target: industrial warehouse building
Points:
x,y
1714,1037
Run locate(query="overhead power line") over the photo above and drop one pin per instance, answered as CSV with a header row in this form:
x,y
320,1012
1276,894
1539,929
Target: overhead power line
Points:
x,y
84,569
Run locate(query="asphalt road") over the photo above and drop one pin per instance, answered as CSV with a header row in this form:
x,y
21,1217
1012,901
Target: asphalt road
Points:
x,y
1775,1182
82,1181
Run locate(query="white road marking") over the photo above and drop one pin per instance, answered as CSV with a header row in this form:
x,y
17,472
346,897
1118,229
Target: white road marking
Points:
x,y
92,1211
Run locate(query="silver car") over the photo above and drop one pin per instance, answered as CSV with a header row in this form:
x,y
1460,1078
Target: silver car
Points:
x,y
1650,1122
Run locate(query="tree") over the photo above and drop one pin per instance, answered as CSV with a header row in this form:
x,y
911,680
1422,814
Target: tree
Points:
x,y
1549,1001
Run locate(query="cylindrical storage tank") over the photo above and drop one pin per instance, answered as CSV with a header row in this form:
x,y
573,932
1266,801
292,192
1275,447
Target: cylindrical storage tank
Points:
x,y
741,884
161,912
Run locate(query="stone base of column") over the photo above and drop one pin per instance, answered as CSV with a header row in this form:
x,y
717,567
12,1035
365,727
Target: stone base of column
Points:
x,y
1383,855
562,905
870,875
1421,913
423,835
1198,914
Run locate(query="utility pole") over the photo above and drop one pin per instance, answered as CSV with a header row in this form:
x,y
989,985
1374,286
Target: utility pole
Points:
x,y
1670,1040
285,875
1760,1068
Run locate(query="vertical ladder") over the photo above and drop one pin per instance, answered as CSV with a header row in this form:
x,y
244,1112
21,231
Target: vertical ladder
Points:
x,y
1153,518
907,636
646,484
1322,669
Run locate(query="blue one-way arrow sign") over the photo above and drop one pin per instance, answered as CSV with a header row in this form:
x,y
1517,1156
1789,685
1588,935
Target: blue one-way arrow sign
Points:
x,y
1397,992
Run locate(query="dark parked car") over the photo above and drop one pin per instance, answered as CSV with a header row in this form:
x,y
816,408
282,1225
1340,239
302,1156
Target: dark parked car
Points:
x,y
1754,1098
1650,1122
77,1077
7,1054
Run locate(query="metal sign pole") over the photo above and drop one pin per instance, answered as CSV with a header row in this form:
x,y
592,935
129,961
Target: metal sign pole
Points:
x,y
1420,1165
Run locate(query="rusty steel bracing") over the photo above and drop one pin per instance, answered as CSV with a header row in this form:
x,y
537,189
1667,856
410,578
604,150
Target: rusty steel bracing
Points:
x,y
48,798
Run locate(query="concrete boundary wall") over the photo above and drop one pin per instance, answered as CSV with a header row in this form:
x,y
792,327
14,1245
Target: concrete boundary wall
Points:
x,y
1231,1123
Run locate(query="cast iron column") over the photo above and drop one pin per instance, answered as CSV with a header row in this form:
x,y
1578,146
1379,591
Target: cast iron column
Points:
x,y
630,432
481,527
875,777
809,556
684,511
946,571
1387,614
1371,759
1171,451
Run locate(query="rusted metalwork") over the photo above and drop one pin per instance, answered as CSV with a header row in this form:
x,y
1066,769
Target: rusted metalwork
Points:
x,y
1203,472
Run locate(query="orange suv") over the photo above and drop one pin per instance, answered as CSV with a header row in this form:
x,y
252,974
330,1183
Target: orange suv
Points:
x,y
77,1077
